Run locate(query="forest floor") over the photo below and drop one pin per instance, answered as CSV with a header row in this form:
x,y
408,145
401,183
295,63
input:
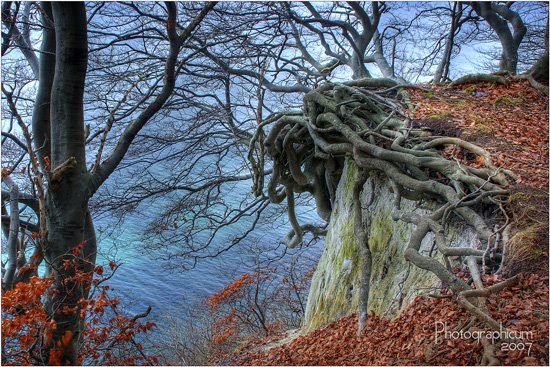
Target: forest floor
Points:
x,y
410,339
511,122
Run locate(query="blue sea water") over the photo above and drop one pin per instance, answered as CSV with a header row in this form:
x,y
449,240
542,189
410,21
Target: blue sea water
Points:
x,y
143,280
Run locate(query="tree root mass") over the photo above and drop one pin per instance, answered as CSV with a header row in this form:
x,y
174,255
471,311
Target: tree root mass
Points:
x,y
366,121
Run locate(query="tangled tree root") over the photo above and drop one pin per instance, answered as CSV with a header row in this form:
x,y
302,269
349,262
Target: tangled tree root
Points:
x,y
480,78
358,120
531,76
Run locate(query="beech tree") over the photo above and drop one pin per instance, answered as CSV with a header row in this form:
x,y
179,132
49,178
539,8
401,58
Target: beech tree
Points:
x,y
348,32
253,60
498,16
58,153
198,159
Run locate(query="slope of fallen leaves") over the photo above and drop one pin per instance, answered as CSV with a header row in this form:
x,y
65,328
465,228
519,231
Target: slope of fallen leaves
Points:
x,y
410,339
511,122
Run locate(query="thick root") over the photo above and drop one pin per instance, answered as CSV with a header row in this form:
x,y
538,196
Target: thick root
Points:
x,y
480,78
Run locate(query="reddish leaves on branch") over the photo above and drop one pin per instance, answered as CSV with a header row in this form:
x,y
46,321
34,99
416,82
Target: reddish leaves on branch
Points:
x,y
109,337
234,290
22,315
235,309
249,308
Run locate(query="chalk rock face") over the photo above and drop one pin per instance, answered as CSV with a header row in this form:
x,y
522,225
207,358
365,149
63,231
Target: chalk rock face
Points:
x,y
335,286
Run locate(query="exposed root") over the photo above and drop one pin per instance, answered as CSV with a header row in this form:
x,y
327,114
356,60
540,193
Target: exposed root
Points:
x,y
482,316
480,78
364,249
534,83
353,119
488,357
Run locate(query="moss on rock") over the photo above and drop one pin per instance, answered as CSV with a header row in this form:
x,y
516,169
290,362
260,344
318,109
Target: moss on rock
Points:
x,y
335,285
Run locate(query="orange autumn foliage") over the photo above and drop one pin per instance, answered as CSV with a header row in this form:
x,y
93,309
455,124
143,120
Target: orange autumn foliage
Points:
x,y
109,338
409,339
249,307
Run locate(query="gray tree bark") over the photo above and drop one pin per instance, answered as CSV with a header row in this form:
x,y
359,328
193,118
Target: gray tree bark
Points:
x,y
382,62
539,71
12,243
498,16
361,41
442,71
41,109
67,195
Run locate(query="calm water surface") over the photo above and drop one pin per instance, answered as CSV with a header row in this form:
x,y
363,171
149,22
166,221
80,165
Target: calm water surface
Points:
x,y
142,281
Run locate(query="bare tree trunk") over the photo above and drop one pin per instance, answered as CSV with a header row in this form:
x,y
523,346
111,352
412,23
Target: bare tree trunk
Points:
x,y
382,62
358,67
442,71
537,75
41,109
68,221
539,71
498,16
12,243
68,193
362,40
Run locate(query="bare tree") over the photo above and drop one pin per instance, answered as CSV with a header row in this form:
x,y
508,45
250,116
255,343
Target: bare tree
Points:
x,y
59,138
347,33
251,60
457,20
139,94
498,16
196,154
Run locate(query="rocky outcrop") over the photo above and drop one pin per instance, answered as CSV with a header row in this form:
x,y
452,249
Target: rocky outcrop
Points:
x,y
395,283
